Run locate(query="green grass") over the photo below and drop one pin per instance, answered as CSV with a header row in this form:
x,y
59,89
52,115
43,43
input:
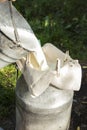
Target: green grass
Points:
x,y
7,91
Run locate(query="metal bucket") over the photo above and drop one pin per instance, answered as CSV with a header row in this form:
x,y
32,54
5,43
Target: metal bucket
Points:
x,y
49,111
9,51
16,35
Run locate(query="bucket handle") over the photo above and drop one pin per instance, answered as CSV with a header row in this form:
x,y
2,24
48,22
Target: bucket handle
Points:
x,y
13,23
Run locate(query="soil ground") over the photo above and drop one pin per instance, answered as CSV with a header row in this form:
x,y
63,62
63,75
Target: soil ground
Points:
x,y
79,109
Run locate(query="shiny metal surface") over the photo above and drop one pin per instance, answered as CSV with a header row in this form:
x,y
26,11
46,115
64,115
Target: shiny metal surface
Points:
x,y
12,49
26,36
51,110
9,52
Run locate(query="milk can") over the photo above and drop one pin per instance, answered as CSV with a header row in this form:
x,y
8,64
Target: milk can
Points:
x,y
44,98
49,111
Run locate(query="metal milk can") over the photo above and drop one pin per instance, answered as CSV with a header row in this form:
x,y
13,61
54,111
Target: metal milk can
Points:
x,y
44,98
49,111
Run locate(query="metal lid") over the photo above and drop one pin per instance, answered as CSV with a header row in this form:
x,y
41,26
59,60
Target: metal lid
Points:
x,y
50,101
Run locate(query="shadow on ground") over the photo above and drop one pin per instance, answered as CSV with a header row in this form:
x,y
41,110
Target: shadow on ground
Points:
x,y
79,109
7,108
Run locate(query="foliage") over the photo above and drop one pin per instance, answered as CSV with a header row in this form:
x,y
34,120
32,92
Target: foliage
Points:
x,y
61,22
7,93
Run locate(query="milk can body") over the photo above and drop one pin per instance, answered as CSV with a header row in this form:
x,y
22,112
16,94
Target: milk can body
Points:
x,y
50,111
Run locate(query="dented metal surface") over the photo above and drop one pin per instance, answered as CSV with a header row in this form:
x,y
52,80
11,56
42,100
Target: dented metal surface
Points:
x,y
50,110
15,30
9,52
44,98
63,72
44,92
26,35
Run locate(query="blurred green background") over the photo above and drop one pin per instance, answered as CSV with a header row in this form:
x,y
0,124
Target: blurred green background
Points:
x,y
60,22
